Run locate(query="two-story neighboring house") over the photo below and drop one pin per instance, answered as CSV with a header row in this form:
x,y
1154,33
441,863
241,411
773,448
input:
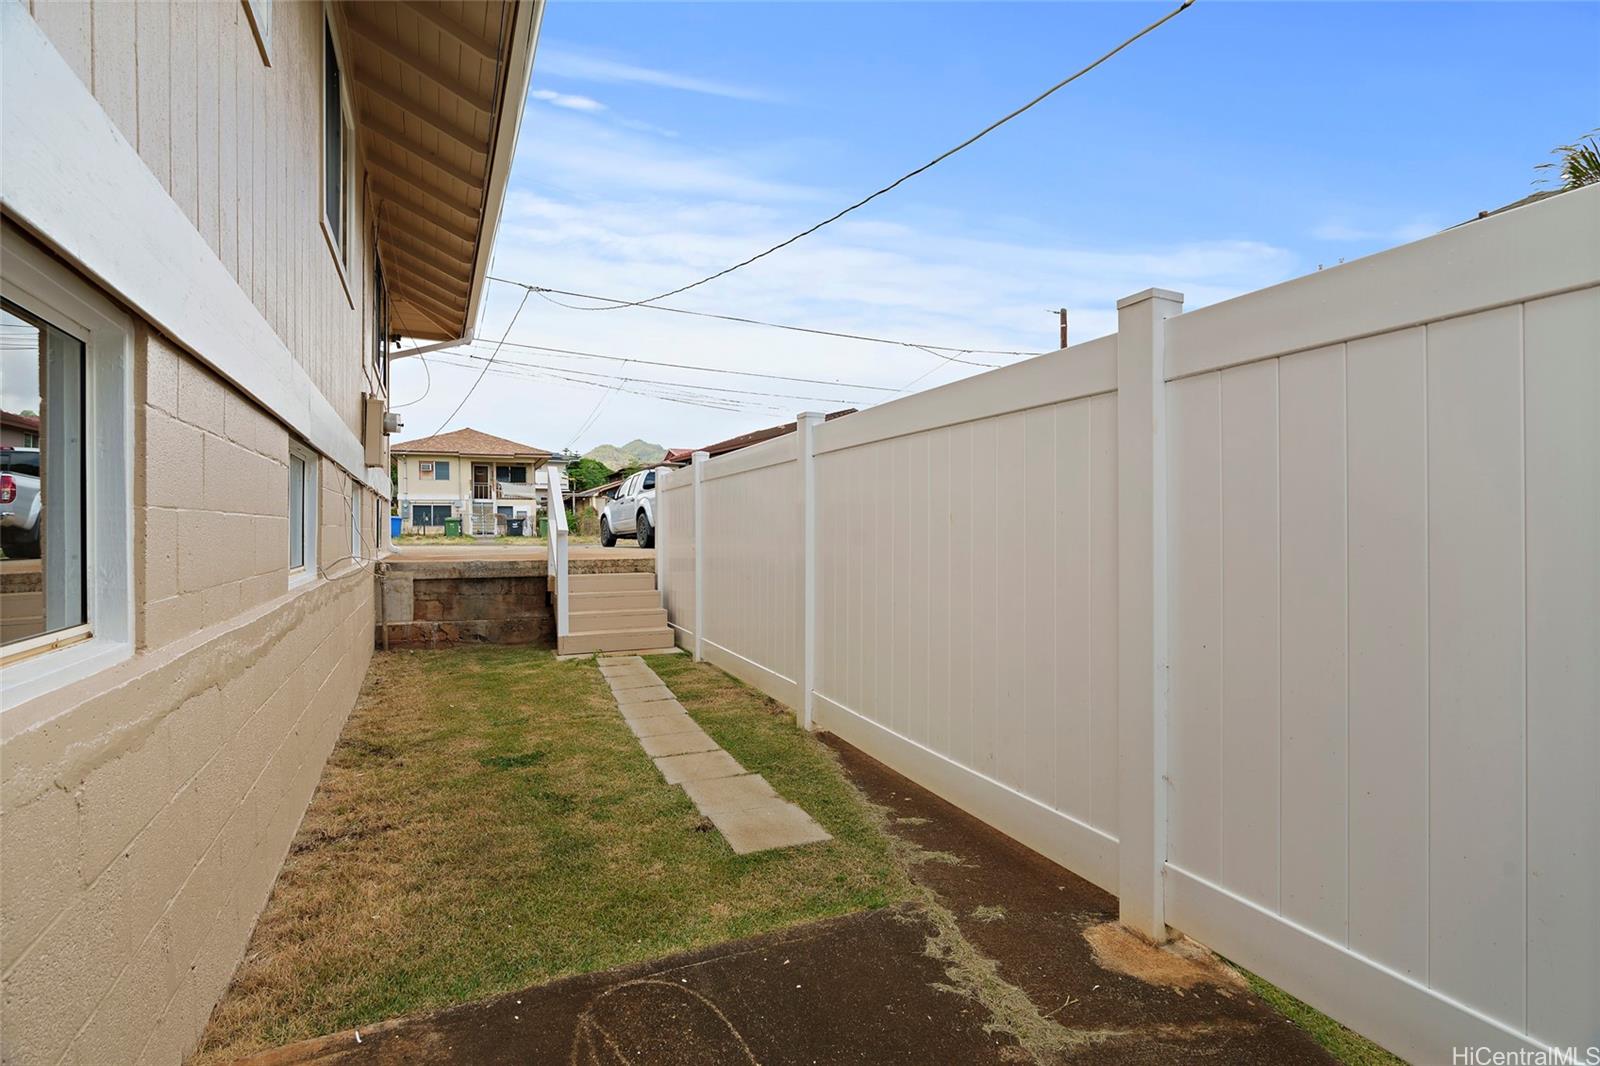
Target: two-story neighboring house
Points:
x,y
484,480
216,216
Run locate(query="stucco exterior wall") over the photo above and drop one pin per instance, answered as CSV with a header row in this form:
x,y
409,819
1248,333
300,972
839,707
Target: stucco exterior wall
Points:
x,y
422,489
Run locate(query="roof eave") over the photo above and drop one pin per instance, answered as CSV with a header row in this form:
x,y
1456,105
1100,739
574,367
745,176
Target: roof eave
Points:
x,y
519,75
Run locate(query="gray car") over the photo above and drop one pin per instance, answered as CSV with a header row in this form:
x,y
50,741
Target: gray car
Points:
x,y
631,512
19,502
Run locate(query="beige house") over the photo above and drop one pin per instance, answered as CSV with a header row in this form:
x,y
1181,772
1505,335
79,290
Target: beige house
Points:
x,y
216,216
485,481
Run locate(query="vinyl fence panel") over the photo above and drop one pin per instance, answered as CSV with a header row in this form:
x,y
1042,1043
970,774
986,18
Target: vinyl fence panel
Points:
x,y
1280,618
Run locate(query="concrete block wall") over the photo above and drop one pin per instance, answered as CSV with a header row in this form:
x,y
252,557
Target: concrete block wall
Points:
x,y
146,810
212,472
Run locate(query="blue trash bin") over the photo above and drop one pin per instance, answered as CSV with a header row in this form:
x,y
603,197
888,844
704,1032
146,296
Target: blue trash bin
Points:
x,y
394,525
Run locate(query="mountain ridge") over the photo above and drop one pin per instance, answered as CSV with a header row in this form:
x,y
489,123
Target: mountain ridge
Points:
x,y
637,452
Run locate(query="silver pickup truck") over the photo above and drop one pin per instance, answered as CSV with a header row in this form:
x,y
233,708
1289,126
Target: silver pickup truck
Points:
x,y
19,502
631,512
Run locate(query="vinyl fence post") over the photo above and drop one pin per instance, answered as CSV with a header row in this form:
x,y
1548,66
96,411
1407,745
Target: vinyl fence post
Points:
x,y
699,459
1142,608
806,425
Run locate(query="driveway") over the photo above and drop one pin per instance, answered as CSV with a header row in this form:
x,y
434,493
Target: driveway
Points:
x,y
1009,958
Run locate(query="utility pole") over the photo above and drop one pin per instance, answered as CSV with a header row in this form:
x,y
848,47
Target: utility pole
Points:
x,y
1061,314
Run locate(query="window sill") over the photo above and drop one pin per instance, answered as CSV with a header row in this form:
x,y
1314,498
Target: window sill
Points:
x,y
338,261
50,668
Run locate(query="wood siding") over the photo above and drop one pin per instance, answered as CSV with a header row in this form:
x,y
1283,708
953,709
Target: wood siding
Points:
x,y
237,144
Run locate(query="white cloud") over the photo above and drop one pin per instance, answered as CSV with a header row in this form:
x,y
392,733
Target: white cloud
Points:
x,y
1402,233
560,63
596,209
567,100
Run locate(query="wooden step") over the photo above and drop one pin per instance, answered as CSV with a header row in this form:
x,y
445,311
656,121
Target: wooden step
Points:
x,y
600,621
637,600
616,640
609,582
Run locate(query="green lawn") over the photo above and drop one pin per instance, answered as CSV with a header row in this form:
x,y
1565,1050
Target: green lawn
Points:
x,y
1346,1045
488,822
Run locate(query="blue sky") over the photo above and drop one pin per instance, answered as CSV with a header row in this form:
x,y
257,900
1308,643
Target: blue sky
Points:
x,y
1240,145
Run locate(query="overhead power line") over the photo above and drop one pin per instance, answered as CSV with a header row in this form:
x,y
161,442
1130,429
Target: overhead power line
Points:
x,y
697,367
682,396
902,179
486,367
473,354
544,290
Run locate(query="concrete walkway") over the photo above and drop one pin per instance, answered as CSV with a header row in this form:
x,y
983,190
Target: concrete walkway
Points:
x,y
742,805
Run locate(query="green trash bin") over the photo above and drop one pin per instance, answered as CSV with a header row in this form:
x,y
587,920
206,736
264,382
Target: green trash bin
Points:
x,y
452,527
544,526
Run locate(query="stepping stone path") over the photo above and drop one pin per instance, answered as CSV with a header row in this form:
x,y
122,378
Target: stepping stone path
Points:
x,y
742,805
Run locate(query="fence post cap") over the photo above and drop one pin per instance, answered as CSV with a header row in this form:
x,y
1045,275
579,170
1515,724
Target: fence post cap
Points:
x,y
1149,294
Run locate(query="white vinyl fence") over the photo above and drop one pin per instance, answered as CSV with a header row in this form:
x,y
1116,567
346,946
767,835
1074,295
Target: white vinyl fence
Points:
x,y
1280,619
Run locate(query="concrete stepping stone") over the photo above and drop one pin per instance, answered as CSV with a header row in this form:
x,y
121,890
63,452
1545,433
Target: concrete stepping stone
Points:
x,y
730,793
677,744
633,681
662,724
775,824
631,711
643,695
697,767
744,807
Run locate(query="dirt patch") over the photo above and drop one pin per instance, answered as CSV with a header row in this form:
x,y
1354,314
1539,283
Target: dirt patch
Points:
x,y
857,989
1180,964
1037,970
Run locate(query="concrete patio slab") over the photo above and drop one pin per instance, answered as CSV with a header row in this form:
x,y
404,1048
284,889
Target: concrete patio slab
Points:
x,y
661,725
653,708
624,667
697,767
643,695
776,823
730,793
677,743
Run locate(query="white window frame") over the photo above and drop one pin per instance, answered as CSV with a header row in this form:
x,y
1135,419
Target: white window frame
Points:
x,y
356,553
338,249
41,285
310,554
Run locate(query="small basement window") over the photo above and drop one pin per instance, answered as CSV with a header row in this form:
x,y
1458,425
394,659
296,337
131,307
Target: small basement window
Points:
x,y
302,512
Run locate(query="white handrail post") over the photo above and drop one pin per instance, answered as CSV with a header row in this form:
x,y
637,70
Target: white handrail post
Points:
x,y
662,472
806,424
1142,608
699,459
558,545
